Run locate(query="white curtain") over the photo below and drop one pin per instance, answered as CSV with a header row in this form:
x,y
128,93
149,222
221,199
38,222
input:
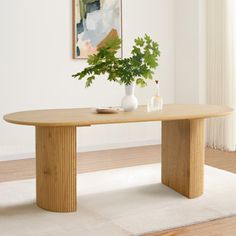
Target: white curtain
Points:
x,y
221,70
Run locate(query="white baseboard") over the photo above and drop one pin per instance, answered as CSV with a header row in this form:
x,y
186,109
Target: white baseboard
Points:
x,y
10,156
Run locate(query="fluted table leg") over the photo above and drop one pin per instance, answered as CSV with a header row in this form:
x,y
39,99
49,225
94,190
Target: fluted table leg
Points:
x,y
56,168
183,156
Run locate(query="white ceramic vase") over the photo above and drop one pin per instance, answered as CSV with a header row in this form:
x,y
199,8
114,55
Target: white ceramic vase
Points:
x,y
129,102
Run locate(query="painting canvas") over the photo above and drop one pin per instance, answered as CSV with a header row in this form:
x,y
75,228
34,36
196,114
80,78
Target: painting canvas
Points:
x,y
95,22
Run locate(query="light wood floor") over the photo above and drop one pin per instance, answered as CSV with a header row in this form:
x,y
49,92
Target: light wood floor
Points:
x,y
86,162
102,160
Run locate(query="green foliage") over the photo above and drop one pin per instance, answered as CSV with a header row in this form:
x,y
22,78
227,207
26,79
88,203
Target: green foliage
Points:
x,y
139,67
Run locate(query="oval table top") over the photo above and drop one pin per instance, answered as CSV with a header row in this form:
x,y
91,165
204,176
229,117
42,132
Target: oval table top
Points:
x,y
88,116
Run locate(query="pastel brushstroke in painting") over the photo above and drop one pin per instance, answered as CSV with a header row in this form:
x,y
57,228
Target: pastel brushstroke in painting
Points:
x,y
96,22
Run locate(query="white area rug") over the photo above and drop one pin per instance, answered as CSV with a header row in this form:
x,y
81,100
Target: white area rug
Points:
x,y
128,201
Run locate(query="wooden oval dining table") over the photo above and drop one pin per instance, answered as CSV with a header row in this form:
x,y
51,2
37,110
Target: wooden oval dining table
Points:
x,y
182,147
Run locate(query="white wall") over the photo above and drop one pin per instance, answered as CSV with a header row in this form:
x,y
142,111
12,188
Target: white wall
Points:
x,y
36,68
190,51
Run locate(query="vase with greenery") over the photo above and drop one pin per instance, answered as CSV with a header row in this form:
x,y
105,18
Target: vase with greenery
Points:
x,y
136,69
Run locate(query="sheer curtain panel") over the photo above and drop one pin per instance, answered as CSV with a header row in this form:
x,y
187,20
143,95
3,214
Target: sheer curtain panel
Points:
x,y
221,68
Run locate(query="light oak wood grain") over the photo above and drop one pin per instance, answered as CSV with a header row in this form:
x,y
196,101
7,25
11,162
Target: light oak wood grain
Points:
x,y
183,156
56,168
222,227
110,159
86,162
87,116
56,147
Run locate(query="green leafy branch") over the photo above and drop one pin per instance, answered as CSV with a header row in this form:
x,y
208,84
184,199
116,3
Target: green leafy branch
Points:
x,y
139,67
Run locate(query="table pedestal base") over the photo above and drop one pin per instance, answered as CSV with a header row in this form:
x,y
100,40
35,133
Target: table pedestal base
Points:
x,y
56,168
183,156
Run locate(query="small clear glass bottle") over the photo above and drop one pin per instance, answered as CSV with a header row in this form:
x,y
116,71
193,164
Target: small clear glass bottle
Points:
x,y
155,103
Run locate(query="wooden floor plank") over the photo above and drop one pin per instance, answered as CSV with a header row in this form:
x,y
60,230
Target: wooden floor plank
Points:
x,y
87,162
221,227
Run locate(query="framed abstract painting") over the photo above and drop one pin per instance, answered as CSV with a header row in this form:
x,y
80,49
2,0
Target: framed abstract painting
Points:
x,y
94,23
